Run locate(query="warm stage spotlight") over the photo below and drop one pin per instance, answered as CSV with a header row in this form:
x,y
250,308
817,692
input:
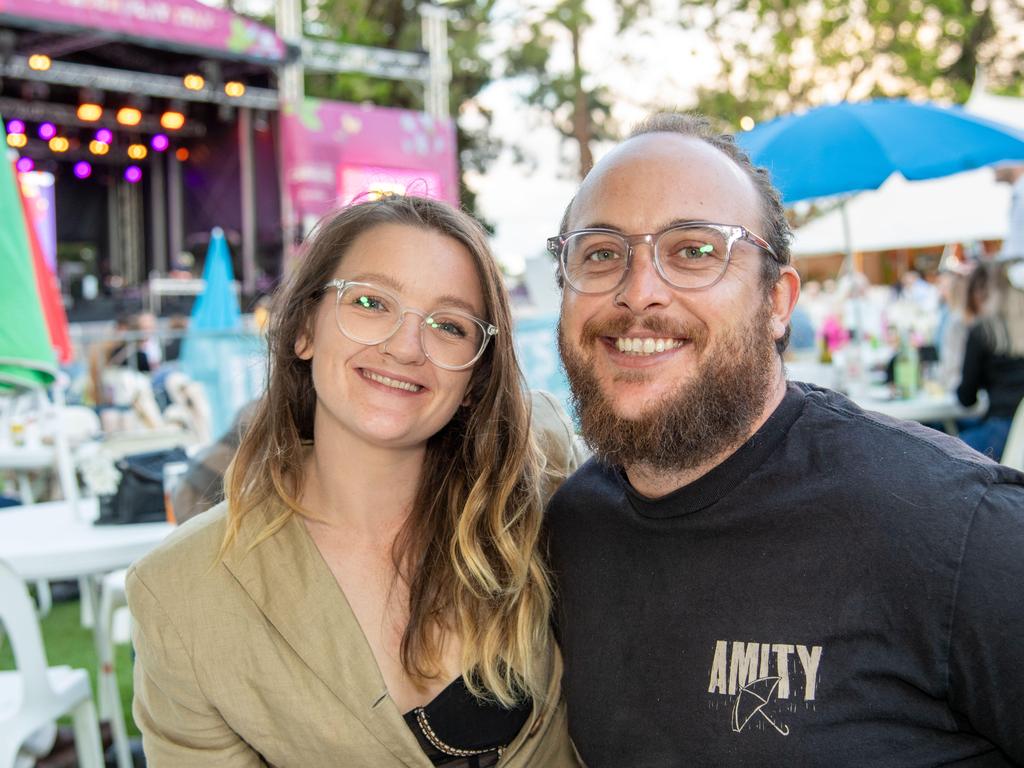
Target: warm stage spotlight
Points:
x,y
17,140
98,147
194,82
59,144
129,116
172,120
137,151
40,62
181,154
89,113
234,88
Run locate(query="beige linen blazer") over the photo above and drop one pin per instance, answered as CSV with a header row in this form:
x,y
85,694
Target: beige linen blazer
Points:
x,y
257,659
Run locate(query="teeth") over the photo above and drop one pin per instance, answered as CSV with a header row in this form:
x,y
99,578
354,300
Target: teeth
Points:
x,y
646,346
387,382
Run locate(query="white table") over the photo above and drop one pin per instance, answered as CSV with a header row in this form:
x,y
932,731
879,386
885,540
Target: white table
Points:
x,y
926,408
49,541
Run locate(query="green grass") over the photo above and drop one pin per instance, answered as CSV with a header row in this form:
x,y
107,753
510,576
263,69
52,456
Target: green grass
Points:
x,y
68,642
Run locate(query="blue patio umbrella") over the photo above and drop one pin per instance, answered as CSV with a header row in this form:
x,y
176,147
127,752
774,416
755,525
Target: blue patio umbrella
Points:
x,y
217,352
851,147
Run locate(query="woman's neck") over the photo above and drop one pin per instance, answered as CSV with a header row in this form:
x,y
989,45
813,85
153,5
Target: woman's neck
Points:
x,y
359,487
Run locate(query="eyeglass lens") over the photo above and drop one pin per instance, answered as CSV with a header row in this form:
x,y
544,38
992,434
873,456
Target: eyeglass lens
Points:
x,y
690,257
370,315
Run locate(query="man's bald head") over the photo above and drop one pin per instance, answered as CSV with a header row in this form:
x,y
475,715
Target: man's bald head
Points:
x,y
773,225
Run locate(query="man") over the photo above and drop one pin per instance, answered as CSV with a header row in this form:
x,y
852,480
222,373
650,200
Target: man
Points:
x,y
750,571
1013,174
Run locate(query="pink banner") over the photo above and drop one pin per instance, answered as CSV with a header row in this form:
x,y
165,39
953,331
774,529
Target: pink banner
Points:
x,y
334,153
185,23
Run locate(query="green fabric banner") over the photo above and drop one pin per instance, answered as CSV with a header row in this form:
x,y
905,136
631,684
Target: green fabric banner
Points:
x,y
27,358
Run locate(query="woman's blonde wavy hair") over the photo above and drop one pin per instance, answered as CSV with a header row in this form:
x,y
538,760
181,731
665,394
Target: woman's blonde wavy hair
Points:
x,y
468,550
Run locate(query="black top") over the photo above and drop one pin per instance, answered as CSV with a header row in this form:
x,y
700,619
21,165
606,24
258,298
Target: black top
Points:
x,y
845,590
1001,376
457,730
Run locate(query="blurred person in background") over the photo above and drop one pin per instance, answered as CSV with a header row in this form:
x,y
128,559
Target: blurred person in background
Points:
x,y
1013,174
994,360
371,594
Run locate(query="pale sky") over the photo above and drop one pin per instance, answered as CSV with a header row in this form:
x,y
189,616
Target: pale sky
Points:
x,y
656,64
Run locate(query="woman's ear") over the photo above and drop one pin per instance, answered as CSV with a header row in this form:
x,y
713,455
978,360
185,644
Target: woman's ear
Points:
x,y
304,346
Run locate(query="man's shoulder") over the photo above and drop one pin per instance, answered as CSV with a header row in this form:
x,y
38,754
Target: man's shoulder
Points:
x,y
851,433
594,479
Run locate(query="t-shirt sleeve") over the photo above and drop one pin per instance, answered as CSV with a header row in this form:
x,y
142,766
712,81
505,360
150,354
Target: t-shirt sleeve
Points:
x,y
180,727
986,662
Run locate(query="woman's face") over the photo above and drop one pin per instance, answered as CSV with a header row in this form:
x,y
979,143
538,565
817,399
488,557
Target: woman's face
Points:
x,y
390,394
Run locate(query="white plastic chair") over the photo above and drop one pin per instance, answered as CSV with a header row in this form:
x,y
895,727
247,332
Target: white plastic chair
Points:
x,y
35,694
112,597
45,446
1013,452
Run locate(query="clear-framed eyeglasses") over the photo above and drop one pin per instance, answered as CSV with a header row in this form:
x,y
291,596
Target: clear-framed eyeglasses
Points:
x,y
368,314
687,256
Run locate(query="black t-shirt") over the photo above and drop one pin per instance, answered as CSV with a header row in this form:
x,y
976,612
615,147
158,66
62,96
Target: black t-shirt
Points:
x,y
844,590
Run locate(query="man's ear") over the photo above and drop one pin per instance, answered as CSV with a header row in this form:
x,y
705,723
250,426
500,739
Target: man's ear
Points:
x,y
783,297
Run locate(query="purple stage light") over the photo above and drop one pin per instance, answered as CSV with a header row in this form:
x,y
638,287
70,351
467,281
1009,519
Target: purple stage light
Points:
x,y
15,126
83,170
25,164
104,135
47,131
159,142
133,174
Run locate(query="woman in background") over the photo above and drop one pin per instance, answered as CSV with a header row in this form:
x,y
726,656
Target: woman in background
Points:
x,y
994,360
370,594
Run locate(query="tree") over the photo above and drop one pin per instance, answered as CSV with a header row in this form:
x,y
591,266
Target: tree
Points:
x,y
395,24
776,56
580,109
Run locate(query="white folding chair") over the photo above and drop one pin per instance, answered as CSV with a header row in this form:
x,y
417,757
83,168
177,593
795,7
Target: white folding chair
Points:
x,y
44,446
1013,452
112,597
35,694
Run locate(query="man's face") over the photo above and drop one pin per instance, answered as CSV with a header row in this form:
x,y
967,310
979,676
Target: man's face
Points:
x,y
707,387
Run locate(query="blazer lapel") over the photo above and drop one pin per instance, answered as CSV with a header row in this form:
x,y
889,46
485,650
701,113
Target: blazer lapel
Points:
x,y
287,578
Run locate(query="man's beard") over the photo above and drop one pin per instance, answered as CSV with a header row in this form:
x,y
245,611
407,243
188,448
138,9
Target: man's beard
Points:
x,y
714,411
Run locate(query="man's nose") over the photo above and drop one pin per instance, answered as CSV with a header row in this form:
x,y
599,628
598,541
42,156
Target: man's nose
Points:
x,y
643,289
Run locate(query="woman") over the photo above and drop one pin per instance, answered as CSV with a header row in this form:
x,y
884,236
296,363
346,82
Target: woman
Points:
x,y
370,594
994,360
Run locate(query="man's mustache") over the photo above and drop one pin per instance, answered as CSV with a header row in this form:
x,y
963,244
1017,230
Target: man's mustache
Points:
x,y
622,323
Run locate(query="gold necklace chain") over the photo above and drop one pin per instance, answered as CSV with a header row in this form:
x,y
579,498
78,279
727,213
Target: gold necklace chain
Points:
x,y
421,720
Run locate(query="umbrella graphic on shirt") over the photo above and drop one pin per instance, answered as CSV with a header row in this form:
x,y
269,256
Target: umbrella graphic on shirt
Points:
x,y
751,701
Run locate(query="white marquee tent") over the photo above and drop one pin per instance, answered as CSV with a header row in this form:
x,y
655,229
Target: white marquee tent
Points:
x,y
902,214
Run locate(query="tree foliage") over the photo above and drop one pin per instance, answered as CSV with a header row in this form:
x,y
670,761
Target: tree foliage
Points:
x,y
776,56
580,108
396,24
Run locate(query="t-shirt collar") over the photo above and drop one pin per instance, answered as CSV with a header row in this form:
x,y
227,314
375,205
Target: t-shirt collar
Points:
x,y
708,489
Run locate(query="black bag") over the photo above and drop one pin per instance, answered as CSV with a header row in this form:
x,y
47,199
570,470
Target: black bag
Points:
x,y
140,493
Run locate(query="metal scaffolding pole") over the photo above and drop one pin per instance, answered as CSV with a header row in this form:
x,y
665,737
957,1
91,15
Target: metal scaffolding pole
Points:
x,y
247,181
175,210
435,42
158,214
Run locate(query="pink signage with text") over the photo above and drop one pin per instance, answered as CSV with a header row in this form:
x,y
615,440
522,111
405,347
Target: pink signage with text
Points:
x,y
334,153
186,23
